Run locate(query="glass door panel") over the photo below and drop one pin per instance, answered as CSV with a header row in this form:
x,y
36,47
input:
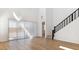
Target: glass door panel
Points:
x,y
21,32
12,29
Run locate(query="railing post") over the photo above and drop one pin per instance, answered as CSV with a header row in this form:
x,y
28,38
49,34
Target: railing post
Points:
x,y
53,31
72,16
78,12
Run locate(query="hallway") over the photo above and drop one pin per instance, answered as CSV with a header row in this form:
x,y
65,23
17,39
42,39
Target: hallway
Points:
x,y
37,44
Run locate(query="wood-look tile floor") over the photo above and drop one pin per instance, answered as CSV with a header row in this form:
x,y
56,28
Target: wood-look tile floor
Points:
x,y
36,44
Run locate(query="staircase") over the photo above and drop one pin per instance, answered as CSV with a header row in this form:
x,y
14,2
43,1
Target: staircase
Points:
x,y
66,21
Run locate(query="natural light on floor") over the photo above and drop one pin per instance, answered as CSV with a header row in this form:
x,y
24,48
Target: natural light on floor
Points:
x,y
65,48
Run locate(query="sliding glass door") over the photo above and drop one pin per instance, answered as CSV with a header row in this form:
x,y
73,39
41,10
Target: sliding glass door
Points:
x,y
27,30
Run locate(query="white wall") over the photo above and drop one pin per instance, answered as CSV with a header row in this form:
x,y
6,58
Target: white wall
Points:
x,y
4,27
49,21
70,33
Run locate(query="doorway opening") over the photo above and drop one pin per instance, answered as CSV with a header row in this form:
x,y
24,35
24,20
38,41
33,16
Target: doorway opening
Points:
x,y
43,29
